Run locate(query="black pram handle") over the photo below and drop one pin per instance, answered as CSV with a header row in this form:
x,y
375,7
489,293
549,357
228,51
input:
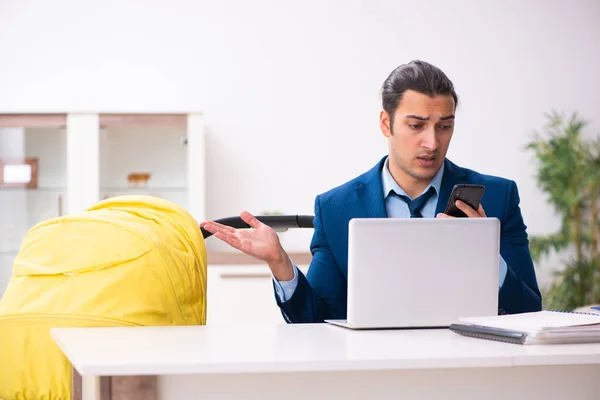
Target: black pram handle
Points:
x,y
277,222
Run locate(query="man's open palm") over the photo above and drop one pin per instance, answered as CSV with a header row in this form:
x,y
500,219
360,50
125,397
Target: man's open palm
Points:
x,y
261,241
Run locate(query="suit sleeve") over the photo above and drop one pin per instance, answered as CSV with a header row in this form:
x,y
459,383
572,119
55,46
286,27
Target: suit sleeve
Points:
x,y
519,292
321,294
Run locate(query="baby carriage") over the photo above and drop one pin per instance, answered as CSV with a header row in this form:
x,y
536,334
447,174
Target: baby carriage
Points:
x,y
126,261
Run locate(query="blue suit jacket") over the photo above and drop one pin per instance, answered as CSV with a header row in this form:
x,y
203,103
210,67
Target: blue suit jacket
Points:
x,y
322,294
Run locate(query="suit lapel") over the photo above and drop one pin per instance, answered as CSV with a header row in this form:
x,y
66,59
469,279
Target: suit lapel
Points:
x,y
453,175
370,194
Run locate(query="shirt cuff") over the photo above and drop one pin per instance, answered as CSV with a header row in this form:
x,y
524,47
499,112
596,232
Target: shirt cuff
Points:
x,y
285,289
502,272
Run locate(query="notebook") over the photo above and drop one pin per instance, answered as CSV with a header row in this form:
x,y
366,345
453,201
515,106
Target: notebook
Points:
x,y
542,327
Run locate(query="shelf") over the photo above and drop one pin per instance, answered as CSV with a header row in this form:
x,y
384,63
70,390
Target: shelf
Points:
x,y
237,258
103,189
144,189
39,189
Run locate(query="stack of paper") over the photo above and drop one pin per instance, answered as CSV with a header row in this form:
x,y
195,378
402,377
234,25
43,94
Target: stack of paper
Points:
x,y
543,327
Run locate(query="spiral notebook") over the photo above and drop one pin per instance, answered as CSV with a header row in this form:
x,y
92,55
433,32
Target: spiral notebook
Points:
x,y
542,327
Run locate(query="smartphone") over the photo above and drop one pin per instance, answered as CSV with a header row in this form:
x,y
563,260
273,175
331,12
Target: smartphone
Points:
x,y
467,193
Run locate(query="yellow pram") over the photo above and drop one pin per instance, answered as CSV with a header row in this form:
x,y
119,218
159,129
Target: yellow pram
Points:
x,y
127,261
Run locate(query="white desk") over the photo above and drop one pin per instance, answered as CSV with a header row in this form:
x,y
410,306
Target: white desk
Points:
x,y
323,361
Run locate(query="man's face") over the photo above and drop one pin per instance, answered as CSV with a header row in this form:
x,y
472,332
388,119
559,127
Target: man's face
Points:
x,y
420,134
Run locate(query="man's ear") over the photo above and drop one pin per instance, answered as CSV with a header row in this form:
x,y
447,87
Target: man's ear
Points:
x,y
385,123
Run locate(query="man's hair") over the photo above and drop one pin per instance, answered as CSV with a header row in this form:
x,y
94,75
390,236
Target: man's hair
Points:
x,y
419,76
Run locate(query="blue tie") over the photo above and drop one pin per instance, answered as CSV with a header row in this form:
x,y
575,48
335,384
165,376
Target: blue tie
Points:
x,y
417,204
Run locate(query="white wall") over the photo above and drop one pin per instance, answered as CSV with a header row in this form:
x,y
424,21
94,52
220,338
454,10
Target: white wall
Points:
x,y
290,89
110,55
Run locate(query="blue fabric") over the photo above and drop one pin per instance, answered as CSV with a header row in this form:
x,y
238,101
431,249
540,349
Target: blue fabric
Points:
x,y
415,206
321,294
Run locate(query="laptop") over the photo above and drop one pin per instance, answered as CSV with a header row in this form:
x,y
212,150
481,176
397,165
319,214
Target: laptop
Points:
x,y
421,272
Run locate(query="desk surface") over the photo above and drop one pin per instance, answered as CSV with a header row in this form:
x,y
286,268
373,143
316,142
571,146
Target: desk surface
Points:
x,y
293,348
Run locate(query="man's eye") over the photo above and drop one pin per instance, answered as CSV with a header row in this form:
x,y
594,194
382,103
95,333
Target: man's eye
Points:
x,y
415,126
446,127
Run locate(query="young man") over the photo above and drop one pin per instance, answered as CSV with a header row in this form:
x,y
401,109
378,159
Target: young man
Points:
x,y
413,181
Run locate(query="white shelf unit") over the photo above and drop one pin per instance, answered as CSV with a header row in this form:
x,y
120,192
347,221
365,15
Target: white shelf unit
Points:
x,y
103,149
86,157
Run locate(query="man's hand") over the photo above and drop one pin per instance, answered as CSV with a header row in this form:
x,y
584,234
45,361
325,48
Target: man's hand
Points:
x,y
464,207
260,242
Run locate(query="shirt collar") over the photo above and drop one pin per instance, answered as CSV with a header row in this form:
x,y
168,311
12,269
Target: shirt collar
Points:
x,y
390,184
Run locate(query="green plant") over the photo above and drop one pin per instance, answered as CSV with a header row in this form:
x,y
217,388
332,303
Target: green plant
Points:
x,y
569,173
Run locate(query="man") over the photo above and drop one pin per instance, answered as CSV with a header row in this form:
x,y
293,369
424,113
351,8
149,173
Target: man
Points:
x,y
414,180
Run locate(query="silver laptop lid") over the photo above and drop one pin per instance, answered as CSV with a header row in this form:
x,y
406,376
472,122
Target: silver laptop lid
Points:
x,y
421,272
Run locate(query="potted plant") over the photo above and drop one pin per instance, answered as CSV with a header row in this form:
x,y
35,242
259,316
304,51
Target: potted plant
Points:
x,y
569,173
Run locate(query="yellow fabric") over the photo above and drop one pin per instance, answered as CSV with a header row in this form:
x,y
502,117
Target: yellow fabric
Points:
x,y
127,261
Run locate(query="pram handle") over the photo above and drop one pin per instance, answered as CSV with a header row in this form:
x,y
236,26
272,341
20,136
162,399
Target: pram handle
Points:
x,y
277,222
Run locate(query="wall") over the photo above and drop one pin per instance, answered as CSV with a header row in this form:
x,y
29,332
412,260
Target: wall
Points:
x,y
290,89
110,55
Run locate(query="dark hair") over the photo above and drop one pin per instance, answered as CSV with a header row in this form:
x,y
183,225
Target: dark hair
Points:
x,y
419,76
